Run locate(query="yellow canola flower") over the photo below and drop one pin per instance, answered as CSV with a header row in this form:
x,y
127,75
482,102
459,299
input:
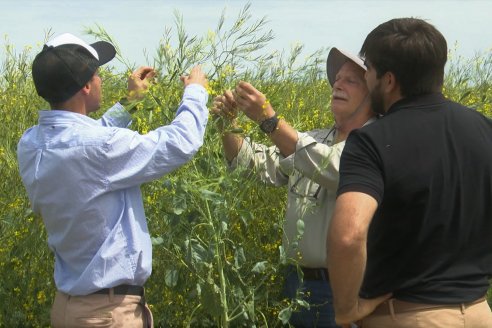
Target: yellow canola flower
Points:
x,y
209,89
41,297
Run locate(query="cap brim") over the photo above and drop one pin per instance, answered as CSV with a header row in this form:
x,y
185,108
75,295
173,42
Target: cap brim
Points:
x,y
335,61
105,51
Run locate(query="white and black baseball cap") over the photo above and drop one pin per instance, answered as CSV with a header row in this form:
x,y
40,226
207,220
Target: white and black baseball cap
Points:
x,y
66,64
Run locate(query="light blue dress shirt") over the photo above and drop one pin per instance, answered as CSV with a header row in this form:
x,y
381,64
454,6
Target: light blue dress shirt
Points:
x,y
83,177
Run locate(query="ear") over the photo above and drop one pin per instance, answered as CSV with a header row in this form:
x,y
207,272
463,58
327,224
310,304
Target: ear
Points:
x,y
390,84
86,89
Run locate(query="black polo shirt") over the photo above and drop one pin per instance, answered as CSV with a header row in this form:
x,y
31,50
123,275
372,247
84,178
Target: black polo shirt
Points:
x,y
428,163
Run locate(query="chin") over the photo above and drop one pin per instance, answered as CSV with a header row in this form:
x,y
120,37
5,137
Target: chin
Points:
x,y
338,109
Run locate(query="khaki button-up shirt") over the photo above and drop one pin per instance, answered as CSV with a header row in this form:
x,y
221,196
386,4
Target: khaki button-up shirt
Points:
x,y
311,174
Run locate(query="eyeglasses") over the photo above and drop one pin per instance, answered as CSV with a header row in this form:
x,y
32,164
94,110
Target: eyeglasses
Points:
x,y
310,196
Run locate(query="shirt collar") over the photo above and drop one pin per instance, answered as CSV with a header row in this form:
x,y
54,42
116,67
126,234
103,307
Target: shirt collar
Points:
x,y
416,101
47,117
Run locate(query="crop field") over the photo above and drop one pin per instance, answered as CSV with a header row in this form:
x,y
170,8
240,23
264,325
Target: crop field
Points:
x,y
216,234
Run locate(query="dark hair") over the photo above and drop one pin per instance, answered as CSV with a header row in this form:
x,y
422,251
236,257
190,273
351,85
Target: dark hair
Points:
x,y
412,49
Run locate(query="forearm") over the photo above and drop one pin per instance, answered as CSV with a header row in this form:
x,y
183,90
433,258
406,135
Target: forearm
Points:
x,y
347,253
349,259
232,143
285,138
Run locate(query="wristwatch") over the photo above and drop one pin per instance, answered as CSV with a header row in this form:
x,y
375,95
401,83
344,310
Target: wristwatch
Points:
x,y
270,124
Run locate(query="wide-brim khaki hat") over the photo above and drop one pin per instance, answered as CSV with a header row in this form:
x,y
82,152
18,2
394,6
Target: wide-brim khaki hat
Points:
x,y
335,61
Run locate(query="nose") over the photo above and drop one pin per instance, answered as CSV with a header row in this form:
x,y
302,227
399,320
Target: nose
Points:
x,y
337,84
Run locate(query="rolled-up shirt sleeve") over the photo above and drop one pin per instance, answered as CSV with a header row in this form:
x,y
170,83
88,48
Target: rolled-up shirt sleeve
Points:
x,y
262,160
318,161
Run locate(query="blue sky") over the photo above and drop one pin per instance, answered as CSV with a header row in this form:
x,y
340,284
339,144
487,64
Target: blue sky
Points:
x,y
139,25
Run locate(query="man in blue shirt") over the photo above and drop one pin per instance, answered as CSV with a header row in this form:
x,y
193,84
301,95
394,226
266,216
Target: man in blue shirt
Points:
x,y
83,177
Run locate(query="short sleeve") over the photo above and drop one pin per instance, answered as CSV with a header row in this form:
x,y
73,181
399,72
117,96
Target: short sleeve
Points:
x,y
361,169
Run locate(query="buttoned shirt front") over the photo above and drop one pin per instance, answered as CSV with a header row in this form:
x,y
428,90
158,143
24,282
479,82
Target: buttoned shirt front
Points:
x,y
311,174
83,177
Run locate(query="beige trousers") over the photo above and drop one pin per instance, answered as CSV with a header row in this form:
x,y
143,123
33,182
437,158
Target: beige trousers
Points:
x,y
99,310
398,314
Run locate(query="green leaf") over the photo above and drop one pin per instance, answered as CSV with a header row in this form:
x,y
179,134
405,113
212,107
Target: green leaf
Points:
x,y
156,240
300,227
179,203
212,196
302,303
284,315
210,295
196,252
171,277
224,226
239,258
167,184
246,216
282,255
260,267
178,210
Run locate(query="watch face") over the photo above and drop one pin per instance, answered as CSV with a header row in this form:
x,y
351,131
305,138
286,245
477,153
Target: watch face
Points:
x,y
269,125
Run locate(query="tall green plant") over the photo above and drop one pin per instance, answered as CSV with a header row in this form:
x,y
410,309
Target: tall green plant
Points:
x,y
216,234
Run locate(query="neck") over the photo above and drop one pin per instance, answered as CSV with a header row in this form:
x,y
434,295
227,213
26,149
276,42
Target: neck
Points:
x,y
391,96
345,126
74,104
390,100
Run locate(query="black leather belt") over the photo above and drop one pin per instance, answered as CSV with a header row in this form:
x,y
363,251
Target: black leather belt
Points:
x,y
315,274
123,290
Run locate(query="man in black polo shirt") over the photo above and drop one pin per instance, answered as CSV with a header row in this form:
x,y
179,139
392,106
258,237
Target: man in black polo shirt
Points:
x,y
410,242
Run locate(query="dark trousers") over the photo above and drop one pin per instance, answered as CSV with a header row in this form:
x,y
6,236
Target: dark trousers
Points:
x,y
317,292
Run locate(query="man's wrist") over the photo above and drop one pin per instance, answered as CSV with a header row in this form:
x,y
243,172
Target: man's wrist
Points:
x,y
130,105
265,112
270,124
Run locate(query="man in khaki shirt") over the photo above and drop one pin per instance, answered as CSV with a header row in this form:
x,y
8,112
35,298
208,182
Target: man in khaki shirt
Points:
x,y
307,162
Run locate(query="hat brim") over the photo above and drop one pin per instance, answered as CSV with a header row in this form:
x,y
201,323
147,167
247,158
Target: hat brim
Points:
x,y
335,61
105,51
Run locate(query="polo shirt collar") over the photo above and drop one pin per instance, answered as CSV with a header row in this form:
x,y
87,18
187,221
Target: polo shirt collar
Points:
x,y
417,101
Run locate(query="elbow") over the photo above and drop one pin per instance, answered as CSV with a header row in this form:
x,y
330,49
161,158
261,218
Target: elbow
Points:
x,y
188,148
348,241
196,145
189,141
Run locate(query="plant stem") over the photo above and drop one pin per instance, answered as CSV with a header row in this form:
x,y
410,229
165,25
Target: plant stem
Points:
x,y
220,269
